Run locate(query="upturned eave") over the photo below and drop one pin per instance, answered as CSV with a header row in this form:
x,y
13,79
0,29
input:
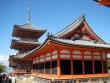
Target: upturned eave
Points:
x,y
20,44
27,31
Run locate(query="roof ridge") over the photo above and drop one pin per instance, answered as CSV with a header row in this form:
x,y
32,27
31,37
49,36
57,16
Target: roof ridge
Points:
x,y
81,18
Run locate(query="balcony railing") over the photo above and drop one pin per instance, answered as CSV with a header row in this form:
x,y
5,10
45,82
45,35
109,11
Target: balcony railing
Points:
x,y
26,39
22,71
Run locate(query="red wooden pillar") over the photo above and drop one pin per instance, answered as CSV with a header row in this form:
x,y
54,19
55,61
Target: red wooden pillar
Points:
x,y
83,61
32,70
58,63
102,62
106,62
51,63
44,62
93,68
38,63
71,55
35,65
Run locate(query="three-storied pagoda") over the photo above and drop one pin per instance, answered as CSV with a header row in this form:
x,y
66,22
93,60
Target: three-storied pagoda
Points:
x,y
75,52
25,39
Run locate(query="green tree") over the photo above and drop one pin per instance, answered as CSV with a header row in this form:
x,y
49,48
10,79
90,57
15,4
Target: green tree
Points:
x,y
2,68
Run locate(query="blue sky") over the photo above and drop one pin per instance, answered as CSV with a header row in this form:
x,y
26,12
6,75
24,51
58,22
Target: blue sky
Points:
x,y
52,15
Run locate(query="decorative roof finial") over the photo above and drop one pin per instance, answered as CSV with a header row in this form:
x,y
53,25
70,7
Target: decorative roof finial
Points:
x,y
29,12
82,17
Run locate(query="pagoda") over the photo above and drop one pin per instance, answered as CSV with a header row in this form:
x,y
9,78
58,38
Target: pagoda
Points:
x,y
25,39
74,54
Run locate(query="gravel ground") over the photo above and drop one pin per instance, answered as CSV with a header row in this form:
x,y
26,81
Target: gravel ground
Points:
x,y
30,80
25,80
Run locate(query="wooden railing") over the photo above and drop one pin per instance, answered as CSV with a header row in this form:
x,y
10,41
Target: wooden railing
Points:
x,y
22,71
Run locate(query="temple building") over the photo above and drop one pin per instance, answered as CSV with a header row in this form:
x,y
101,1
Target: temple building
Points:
x,y
74,53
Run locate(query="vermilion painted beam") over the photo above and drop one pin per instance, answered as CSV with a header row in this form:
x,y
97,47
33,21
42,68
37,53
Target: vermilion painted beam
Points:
x,y
102,62
51,63
93,67
106,62
71,55
44,63
83,61
58,64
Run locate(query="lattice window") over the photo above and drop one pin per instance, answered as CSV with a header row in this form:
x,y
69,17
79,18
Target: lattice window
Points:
x,y
104,56
65,56
54,57
65,51
48,54
87,53
97,57
77,56
37,60
42,56
48,58
54,52
87,57
96,53
42,60
77,52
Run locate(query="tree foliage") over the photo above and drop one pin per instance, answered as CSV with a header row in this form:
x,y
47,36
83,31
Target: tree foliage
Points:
x,y
2,68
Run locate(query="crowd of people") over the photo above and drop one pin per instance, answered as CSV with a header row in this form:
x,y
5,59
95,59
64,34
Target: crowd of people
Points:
x,y
5,78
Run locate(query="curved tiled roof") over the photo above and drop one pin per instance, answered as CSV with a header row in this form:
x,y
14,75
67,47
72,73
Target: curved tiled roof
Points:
x,y
27,29
29,26
73,26
80,43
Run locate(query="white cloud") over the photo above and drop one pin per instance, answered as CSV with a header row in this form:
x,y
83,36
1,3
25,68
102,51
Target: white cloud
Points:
x,y
4,59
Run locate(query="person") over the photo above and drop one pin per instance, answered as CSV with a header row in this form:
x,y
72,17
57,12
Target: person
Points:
x,y
5,78
0,78
13,79
9,79
22,77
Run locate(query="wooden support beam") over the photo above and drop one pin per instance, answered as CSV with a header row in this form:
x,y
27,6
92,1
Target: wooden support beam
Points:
x,y
106,62
83,61
71,55
38,64
102,62
51,63
58,64
44,63
93,68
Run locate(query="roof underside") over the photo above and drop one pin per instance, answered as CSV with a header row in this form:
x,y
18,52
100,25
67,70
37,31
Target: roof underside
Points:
x,y
23,45
27,31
